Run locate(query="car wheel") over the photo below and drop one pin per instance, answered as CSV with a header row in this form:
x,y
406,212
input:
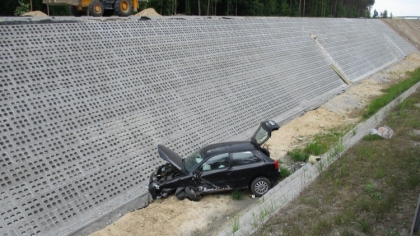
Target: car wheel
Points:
x,y
260,186
181,195
192,194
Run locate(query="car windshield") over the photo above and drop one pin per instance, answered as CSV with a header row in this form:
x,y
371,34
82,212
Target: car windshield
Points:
x,y
192,161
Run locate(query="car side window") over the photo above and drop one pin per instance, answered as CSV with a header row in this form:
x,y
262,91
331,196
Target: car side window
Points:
x,y
244,158
217,162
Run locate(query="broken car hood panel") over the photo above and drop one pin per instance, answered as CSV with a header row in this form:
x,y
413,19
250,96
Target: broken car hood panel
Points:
x,y
170,156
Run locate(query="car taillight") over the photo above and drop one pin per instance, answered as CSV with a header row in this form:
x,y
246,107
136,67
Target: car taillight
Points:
x,y
276,164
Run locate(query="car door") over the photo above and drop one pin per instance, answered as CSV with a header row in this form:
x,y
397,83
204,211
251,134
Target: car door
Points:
x,y
216,170
263,133
245,166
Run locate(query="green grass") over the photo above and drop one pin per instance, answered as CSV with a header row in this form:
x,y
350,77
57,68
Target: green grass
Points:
x,y
284,172
319,145
391,93
323,142
235,224
237,195
298,155
364,226
371,137
315,148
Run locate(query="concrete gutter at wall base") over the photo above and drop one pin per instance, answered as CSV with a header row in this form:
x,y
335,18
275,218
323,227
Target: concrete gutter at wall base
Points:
x,y
283,193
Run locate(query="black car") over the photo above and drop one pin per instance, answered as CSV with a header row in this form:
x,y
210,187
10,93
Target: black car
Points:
x,y
218,167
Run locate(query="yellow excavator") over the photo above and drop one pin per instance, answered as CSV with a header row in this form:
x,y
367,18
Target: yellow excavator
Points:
x,y
98,7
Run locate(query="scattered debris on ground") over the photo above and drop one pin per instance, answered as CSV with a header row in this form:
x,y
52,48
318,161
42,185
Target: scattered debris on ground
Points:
x,y
384,132
313,159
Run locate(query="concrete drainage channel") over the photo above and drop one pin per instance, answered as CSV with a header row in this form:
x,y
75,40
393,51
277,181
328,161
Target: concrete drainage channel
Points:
x,y
287,190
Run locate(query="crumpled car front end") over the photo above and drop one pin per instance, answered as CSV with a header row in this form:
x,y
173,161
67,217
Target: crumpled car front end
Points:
x,y
164,180
154,188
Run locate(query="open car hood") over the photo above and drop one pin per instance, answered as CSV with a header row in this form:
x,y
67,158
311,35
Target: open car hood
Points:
x,y
263,132
170,156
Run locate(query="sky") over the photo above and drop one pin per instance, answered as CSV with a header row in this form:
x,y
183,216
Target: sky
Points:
x,y
398,7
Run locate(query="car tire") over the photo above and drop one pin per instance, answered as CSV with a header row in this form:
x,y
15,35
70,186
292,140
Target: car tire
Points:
x,y
192,194
260,186
181,195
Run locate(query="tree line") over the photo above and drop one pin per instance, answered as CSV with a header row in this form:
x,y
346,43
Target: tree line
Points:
x,y
303,8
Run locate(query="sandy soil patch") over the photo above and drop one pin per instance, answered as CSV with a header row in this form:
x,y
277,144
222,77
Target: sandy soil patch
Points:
x,y
148,12
208,216
35,14
173,217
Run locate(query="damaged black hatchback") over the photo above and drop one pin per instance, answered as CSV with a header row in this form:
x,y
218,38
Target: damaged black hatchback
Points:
x,y
218,167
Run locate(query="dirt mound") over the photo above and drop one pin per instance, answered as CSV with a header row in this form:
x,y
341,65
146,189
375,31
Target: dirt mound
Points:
x,y
409,29
148,12
35,14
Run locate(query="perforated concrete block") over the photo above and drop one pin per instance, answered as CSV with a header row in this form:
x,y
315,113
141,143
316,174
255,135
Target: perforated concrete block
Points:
x,y
360,47
84,104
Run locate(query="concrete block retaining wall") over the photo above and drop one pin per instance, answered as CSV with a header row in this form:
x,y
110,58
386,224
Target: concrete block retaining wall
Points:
x,y
84,102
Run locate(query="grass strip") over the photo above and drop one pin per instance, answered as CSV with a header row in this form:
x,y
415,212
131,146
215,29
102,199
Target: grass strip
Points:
x,y
320,144
392,92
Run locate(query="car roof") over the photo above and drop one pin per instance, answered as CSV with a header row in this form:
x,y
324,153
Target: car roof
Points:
x,y
219,148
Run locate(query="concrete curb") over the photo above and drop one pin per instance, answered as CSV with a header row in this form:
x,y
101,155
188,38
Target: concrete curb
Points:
x,y
287,190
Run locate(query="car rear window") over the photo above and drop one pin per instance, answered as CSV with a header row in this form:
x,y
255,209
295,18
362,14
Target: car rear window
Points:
x,y
244,158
